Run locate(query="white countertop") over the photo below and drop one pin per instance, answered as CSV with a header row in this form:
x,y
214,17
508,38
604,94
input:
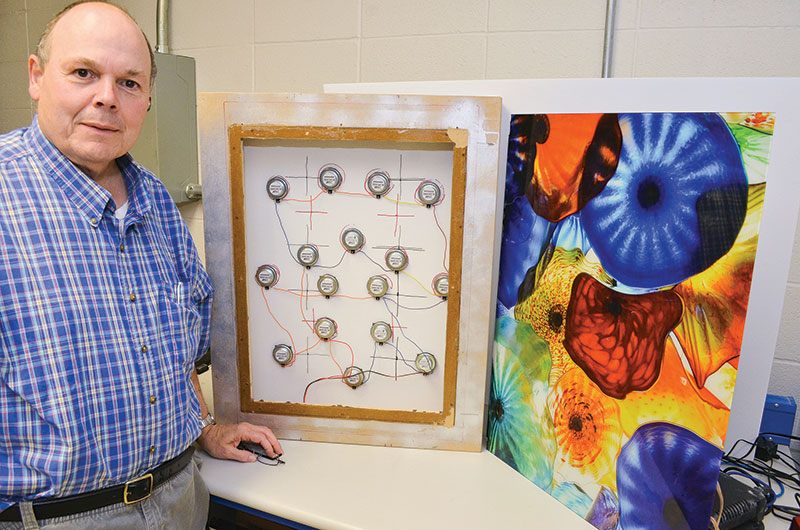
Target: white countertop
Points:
x,y
775,523
349,487
352,487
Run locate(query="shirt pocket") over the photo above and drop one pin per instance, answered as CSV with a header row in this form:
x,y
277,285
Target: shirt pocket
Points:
x,y
179,320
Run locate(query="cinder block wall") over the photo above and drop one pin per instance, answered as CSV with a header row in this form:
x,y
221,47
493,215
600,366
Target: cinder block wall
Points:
x,y
298,45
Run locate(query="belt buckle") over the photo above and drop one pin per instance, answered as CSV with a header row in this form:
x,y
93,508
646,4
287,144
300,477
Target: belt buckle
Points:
x,y
134,484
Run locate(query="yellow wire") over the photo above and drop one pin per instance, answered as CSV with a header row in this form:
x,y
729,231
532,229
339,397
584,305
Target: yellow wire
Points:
x,y
401,202
420,284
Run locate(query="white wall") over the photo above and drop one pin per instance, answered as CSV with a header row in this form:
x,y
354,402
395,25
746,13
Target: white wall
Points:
x,y
297,45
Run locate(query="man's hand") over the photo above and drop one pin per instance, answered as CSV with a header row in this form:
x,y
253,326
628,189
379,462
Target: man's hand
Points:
x,y
221,440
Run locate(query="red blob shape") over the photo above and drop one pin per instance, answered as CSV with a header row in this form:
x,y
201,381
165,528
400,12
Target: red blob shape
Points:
x,y
618,339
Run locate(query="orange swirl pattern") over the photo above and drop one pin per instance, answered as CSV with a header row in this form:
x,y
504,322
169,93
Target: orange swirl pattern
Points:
x,y
587,425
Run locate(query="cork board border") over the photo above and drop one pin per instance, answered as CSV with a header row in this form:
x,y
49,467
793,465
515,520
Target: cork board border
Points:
x,y
239,132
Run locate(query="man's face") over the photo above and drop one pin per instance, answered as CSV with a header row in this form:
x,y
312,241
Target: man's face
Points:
x,y
94,91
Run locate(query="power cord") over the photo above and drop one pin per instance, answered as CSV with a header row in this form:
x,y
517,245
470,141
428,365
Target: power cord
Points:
x,y
762,466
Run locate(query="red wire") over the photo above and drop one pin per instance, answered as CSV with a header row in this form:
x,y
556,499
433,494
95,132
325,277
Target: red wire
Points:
x,y
352,354
305,394
444,260
304,200
330,349
301,295
264,296
352,297
309,348
320,295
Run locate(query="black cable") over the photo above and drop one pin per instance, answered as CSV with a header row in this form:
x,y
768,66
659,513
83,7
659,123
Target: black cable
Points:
x,y
795,464
758,484
757,467
780,434
752,448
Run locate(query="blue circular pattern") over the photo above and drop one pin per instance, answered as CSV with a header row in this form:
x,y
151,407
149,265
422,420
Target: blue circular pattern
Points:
x,y
676,202
666,479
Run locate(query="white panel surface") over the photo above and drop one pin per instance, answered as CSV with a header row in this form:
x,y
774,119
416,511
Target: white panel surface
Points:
x,y
778,95
286,312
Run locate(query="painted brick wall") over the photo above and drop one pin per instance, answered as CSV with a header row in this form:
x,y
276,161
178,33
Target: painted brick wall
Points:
x,y
298,45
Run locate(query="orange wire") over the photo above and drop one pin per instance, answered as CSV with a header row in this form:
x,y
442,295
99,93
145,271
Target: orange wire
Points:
x,y
352,353
296,294
264,296
305,394
352,297
330,349
353,193
294,358
310,347
304,200
318,295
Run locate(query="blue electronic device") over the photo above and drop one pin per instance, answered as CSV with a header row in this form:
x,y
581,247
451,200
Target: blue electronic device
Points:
x,y
779,412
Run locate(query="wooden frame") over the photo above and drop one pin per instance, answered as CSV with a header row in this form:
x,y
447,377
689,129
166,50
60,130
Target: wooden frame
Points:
x,y
467,125
237,134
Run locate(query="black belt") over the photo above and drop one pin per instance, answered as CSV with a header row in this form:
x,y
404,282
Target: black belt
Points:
x,y
131,492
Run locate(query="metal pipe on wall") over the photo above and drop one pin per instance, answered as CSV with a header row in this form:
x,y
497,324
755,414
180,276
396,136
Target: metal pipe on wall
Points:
x,y
608,40
162,26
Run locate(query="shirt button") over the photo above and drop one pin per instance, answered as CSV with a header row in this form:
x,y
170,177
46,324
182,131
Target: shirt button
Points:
x,y
93,220
152,399
152,449
122,247
132,297
144,348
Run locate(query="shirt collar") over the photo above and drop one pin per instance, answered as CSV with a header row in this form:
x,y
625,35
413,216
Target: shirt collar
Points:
x,y
139,198
88,196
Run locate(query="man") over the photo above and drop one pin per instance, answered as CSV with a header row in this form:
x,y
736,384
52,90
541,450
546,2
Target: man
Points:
x,y
104,304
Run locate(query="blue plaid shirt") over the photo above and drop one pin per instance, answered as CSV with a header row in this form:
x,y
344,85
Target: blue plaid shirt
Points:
x,y
98,332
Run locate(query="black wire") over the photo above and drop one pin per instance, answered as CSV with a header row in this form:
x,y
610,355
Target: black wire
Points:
x,y
756,467
333,266
366,373
267,461
415,372
796,464
778,511
752,447
780,434
767,490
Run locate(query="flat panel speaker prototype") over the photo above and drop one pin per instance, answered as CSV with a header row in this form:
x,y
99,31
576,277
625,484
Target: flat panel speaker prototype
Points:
x,y
354,274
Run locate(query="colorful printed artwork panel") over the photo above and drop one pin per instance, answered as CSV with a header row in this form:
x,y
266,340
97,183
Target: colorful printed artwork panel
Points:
x,y
627,257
